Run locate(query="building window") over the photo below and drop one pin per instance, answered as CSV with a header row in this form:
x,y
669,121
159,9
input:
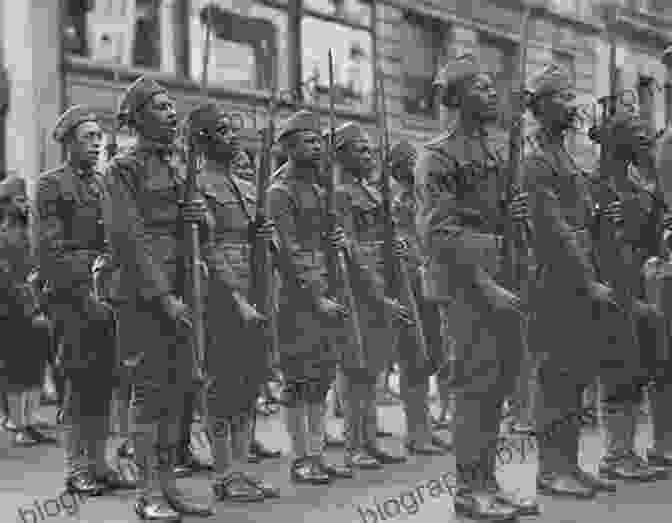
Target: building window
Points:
x,y
123,32
345,26
248,45
498,57
425,42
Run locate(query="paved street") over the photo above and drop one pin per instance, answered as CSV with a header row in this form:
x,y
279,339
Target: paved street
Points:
x,y
30,477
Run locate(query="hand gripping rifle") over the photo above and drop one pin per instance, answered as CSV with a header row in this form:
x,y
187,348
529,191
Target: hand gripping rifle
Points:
x,y
396,267
342,265
614,269
261,268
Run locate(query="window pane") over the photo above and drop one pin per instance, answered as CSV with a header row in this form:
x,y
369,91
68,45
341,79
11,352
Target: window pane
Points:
x,y
244,47
353,67
424,40
355,11
117,31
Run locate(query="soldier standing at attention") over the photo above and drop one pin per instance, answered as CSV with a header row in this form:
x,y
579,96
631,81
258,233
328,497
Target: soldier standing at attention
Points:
x,y
146,200
361,213
460,188
307,317
70,236
237,334
563,216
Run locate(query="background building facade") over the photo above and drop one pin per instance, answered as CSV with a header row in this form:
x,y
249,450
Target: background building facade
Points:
x,y
60,52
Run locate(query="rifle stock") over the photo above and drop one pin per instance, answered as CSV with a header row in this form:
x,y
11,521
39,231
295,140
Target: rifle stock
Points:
x,y
341,256
401,265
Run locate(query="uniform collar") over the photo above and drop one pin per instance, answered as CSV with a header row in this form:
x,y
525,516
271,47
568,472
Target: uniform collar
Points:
x,y
162,150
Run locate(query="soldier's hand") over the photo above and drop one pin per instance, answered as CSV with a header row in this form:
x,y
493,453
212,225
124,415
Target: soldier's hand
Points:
x,y
177,310
332,309
194,211
265,230
337,238
612,212
519,207
402,248
251,316
503,299
601,293
398,312
667,221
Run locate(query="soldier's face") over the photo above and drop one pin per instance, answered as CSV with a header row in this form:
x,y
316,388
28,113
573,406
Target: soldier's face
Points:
x,y
480,98
307,147
560,109
22,203
358,157
87,143
158,120
227,138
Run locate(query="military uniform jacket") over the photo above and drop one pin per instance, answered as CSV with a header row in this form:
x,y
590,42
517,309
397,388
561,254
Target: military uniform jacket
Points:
x,y
69,227
459,190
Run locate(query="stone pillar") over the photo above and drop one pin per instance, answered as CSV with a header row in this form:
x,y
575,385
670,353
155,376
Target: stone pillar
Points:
x,y
31,50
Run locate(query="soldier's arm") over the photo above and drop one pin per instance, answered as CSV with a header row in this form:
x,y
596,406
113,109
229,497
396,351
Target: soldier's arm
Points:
x,y
289,258
664,166
555,243
66,269
125,229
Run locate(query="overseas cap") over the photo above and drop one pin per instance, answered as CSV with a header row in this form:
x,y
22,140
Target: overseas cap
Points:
x,y
553,78
71,119
137,95
300,121
349,132
204,118
12,186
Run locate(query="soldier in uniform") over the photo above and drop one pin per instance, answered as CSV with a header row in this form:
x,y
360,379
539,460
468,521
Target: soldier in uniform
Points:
x,y
307,316
359,204
460,188
146,197
564,218
70,236
628,143
237,345
415,371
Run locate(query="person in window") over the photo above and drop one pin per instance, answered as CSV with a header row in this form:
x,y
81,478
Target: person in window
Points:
x,y
145,43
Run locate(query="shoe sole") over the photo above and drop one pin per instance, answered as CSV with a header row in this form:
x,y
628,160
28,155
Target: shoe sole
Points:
x,y
466,513
544,491
641,479
143,517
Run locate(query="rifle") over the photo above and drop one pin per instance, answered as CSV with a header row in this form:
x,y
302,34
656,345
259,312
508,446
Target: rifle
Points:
x,y
111,147
615,270
261,269
516,234
342,265
401,266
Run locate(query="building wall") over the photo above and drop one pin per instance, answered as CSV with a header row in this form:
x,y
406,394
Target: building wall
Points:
x,y
31,46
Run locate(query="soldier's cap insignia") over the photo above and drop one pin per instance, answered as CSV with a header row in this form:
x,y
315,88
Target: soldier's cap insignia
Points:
x,y
552,78
300,121
349,132
71,119
137,95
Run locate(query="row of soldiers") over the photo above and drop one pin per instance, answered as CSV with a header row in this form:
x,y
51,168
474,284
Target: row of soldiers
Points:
x,y
130,323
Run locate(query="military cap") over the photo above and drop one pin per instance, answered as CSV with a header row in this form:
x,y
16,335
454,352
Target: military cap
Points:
x,y
553,78
71,119
401,151
300,121
138,94
12,186
204,118
347,133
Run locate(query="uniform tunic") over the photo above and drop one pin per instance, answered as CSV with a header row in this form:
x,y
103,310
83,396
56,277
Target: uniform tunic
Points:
x,y
561,209
361,212
142,220
418,369
298,208
459,190
70,237
236,355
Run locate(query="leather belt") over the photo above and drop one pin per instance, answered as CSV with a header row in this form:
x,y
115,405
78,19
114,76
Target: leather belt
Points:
x,y
243,249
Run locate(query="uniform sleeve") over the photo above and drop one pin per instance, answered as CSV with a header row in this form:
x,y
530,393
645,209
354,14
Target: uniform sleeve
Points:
x,y
664,167
290,261
554,241
125,229
403,214
67,270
